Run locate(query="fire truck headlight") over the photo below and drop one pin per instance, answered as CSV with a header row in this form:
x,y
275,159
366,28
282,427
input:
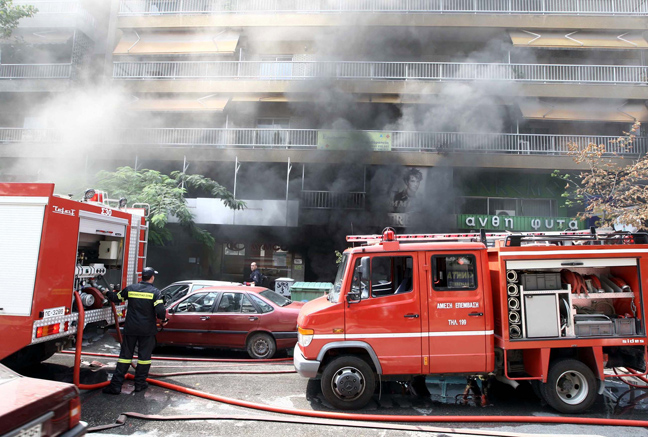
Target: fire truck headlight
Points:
x,y
305,336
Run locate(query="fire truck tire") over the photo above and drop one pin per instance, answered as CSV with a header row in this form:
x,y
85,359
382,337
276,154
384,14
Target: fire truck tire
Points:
x,y
348,383
537,390
571,386
261,346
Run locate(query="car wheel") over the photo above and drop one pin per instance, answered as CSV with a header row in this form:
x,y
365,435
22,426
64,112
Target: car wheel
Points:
x,y
261,346
571,386
348,383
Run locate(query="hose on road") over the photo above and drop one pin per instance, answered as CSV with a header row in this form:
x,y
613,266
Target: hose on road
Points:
x,y
343,416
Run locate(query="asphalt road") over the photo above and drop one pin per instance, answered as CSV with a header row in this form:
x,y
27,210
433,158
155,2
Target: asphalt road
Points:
x,y
289,390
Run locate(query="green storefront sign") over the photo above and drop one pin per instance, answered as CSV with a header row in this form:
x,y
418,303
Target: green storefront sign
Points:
x,y
513,223
354,140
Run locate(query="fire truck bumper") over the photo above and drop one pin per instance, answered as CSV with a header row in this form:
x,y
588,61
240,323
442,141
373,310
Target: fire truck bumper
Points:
x,y
306,368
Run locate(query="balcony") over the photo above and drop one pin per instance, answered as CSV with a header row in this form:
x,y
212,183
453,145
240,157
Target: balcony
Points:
x,y
35,71
382,71
332,200
311,139
539,7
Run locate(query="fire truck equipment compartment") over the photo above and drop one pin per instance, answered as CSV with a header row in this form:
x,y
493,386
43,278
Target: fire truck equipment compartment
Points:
x,y
307,291
540,281
541,315
593,325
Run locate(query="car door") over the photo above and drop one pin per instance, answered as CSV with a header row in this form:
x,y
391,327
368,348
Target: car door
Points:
x,y
457,322
388,317
233,318
189,321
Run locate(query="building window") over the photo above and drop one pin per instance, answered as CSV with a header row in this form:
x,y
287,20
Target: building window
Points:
x,y
274,132
506,206
276,67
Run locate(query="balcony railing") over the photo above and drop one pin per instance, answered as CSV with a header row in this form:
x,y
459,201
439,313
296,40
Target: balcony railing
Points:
x,y
574,7
459,71
435,142
332,200
35,71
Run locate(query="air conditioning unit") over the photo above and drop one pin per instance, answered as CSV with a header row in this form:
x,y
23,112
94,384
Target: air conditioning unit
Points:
x,y
505,212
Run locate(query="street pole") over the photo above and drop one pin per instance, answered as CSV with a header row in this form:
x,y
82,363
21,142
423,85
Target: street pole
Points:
x,y
287,186
237,166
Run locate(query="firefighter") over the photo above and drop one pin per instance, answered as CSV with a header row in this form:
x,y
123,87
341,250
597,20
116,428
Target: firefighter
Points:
x,y
256,276
144,304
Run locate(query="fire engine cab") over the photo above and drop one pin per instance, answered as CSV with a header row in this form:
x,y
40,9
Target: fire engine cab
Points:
x,y
556,309
51,247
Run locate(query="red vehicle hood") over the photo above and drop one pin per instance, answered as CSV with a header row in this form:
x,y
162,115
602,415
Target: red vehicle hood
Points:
x,y
26,399
312,307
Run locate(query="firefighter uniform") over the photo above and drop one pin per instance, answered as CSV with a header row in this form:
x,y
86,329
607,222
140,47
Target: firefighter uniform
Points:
x,y
257,277
144,305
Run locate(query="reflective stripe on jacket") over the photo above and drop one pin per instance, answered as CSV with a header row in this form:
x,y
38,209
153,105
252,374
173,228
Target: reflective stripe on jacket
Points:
x,y
144,304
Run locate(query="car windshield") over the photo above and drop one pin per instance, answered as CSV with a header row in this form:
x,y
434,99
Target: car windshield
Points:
x,y
334,295
173,292
275,298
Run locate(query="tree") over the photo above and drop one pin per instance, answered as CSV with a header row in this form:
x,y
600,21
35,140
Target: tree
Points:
x,y
166,197
610,189
11,14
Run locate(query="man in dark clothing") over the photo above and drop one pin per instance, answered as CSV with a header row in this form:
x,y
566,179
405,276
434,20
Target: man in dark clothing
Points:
x,y
256,275
144,305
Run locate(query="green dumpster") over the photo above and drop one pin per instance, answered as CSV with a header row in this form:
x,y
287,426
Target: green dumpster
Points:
x,y
305,291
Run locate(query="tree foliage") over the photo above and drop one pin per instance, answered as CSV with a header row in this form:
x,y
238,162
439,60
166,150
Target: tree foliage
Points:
x,y
11,14
166,197
611,188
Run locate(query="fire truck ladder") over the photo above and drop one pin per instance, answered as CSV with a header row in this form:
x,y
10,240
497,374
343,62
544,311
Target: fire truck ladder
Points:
x,y
144,255
511,239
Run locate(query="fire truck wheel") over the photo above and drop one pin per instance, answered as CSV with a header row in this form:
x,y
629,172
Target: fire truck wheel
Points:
x,y
571,386
537,390
348,383
261,346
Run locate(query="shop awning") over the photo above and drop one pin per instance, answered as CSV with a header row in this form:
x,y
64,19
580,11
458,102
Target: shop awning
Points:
x,y
592,111
207,103
578,39
160,43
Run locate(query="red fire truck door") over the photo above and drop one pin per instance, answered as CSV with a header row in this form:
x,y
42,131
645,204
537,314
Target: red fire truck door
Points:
x,y
457,323
388,317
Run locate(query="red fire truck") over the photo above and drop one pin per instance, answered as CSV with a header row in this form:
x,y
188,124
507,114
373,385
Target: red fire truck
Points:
x,y
50,246
555,310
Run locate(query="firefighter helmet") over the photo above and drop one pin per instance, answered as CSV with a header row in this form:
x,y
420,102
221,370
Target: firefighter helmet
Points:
x,y
148,272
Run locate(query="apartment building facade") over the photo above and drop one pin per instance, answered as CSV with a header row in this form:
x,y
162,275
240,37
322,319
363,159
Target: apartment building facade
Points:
x,y
332,117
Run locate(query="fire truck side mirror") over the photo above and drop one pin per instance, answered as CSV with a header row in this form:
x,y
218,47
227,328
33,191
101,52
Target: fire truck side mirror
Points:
x,y
364,267
360,277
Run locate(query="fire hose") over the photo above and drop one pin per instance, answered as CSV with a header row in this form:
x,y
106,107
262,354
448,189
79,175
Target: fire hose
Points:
x,y
207,360
344,416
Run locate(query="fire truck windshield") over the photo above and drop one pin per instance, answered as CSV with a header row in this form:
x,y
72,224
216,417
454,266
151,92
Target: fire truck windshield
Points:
x,y
334,295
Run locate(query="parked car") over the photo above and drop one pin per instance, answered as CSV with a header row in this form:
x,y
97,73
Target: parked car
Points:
x,y
36,407
250,318
179,289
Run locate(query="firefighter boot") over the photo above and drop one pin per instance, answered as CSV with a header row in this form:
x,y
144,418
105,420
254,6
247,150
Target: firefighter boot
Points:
x,y
141,373
117,380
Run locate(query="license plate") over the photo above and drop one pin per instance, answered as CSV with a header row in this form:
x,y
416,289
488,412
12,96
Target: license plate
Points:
x,y
32,431
51,312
